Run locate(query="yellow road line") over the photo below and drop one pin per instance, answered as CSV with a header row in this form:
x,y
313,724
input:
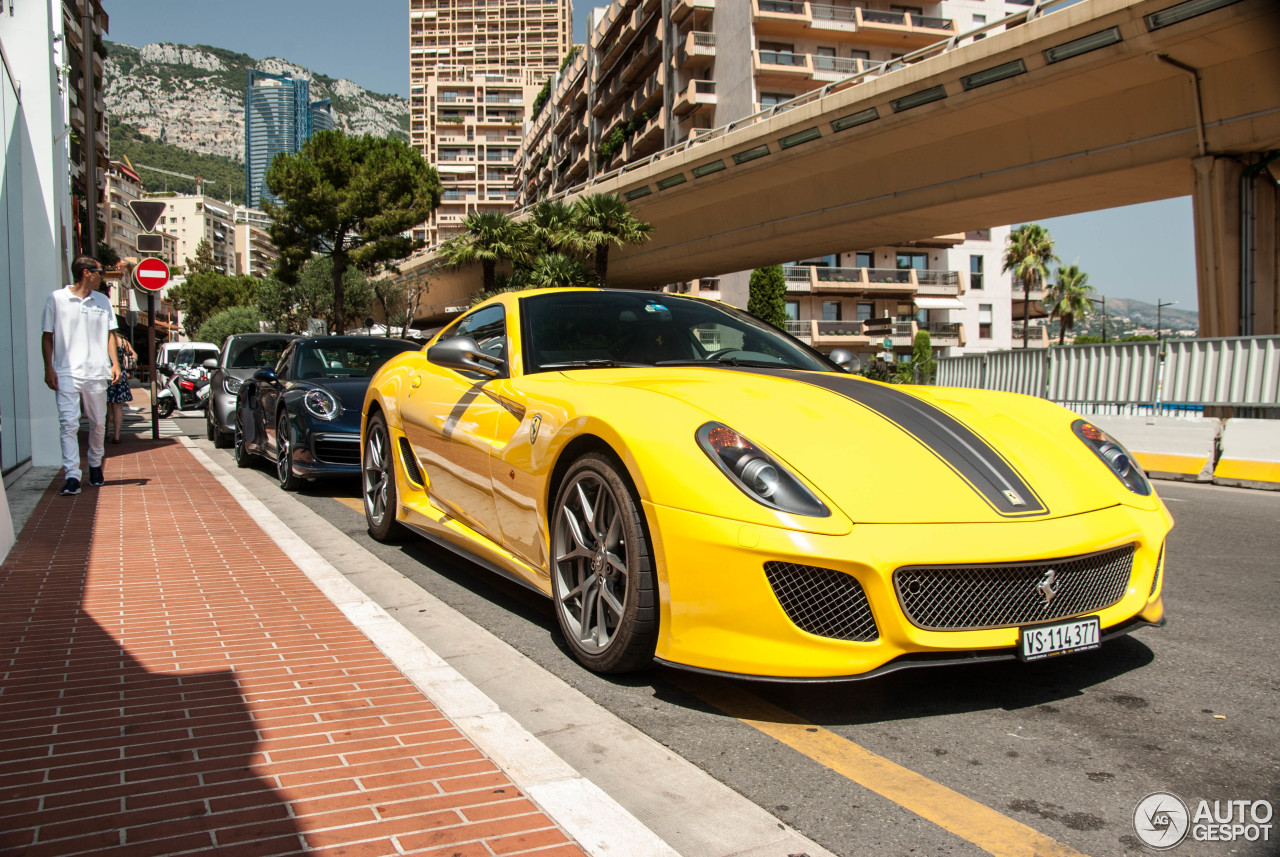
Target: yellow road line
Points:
x,y
351,503
989,830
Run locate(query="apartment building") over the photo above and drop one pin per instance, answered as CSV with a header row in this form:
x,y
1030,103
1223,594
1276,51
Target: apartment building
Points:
x,y
255,254
80,52
475,68
656,73
191,219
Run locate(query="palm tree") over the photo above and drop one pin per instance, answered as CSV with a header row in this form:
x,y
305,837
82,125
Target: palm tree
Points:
x,y
603,219
490,237
1028,254
554,270
1069,298
550,226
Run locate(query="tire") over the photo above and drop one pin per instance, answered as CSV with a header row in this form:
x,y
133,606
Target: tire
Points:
x,y
284,456
243,457
164,407
210,430
600,547
378,482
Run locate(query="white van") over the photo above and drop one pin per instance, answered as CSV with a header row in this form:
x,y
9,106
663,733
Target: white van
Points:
x,y
184,354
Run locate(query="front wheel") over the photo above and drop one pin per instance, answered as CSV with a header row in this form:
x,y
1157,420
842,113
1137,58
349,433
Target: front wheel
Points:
x,y
602,575
241,451
289,481
164,407
378,481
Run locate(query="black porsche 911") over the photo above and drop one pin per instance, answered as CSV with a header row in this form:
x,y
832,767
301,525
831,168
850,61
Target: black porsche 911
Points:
x,y
304,414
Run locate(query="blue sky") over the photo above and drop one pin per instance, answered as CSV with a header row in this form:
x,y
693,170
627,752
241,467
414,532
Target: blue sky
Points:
x,y
1144,251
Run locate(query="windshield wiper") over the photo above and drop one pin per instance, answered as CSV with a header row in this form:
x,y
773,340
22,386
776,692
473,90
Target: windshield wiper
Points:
x,y
731,361
597,363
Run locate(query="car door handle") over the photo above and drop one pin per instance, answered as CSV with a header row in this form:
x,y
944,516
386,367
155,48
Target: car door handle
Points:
x,y
416,382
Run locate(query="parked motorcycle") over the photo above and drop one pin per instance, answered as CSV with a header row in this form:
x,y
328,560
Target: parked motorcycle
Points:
x,y
185,390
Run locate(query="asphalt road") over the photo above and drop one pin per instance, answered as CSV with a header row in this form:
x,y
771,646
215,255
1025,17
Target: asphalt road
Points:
x,y
1065,749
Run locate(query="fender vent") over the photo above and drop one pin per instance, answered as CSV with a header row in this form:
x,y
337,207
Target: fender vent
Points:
x,y
410,462
823,602
1155,578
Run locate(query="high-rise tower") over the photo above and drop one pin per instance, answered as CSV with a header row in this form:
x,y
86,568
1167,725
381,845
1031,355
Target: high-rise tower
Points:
x,y
475,67
279,116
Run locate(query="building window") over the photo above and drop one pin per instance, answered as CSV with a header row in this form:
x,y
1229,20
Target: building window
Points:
x,y
864,259
793,310
831,310
984,321
865,311
772,99
907,261
975,272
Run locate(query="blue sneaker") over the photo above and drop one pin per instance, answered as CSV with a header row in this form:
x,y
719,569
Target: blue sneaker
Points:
x,y
95,477
71,486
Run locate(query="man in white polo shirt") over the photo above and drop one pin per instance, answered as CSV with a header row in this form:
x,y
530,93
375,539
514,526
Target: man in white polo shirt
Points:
x,y
78,365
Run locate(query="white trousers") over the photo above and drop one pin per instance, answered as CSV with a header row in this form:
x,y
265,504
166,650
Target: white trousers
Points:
x,y
72,395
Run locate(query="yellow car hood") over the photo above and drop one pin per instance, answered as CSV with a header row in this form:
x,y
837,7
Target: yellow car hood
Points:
x,y
892,454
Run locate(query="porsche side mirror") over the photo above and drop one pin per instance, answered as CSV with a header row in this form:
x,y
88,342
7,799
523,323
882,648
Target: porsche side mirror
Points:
x,y
462,354
265,375
845,359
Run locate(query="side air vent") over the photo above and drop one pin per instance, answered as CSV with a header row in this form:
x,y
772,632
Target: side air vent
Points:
x,y
823,602
1155,578
410,462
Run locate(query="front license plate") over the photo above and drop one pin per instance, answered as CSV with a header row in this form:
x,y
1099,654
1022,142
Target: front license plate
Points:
x,y
1062,638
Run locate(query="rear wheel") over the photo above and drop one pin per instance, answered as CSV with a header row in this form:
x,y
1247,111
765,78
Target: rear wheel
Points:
x,y
602,576
284,456
378,481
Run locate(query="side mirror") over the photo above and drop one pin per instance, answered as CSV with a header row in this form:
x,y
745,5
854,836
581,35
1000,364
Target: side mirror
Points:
x,y
461,353
265,375
210,364
845,359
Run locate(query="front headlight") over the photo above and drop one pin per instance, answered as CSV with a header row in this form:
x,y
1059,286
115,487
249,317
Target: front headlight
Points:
x,y
1114,455
232,385
757,474
321,404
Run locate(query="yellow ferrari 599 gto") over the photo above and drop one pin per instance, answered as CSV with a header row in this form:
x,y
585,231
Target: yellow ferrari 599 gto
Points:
x,y
693,487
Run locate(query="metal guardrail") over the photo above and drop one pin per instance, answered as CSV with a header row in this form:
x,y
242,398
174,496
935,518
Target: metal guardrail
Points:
x,y
1228,372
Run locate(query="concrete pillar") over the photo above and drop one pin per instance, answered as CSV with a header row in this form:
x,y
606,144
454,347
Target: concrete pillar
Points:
x,y
1237,234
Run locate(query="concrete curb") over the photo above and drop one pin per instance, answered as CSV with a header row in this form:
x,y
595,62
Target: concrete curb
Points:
x,y
1250,455
595,820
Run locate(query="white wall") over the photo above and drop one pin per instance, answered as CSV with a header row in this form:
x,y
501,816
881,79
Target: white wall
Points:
x,y
30,35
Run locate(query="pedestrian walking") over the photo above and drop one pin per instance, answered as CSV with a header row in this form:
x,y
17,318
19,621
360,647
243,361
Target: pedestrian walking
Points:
x,y
119,392
79,364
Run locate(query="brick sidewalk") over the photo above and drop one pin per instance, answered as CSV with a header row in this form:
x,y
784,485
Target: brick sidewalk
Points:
x,y
170,682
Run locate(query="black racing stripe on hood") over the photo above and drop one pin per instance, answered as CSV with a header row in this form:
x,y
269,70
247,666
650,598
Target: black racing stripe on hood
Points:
x,y
955,444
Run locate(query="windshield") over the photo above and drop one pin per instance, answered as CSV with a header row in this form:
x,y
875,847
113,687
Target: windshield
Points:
x,y
194,356
252,353
590,329
348,358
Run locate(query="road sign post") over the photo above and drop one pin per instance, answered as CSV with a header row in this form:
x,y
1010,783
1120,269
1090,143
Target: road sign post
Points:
x,y
152,275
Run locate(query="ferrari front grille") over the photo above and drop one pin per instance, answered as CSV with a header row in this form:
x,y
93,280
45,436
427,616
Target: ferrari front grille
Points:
x,y
823,602
411,469
1001,595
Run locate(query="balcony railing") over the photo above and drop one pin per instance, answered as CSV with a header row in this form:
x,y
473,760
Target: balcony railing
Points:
x,y
783,6
785,58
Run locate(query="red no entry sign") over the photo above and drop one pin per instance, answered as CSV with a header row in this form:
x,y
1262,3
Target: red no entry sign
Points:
x,y
151,274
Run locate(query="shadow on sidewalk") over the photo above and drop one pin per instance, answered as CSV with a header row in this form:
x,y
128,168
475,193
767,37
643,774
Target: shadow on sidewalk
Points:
x,y
98,754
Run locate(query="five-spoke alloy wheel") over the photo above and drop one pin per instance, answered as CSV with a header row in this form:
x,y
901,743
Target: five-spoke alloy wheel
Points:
x,y
602,574
289,481
378,481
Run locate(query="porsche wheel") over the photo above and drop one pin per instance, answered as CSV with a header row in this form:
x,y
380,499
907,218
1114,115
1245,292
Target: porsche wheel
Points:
x,y
284,456
602,575
378,481
242,454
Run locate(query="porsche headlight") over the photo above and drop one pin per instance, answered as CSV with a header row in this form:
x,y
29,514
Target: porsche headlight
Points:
x,y
321,404
757,474
232,385
1114,455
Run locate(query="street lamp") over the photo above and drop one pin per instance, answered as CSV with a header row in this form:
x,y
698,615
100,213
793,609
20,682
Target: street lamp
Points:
x,y
1103,301
1159,306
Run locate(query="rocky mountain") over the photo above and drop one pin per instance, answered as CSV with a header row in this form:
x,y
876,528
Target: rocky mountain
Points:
x,y
192,97
1128,317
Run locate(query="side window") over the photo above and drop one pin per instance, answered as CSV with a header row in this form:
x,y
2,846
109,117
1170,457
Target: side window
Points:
x,y
488,328
282,365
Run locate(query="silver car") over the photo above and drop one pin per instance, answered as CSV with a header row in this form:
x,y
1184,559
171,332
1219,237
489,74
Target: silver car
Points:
x,y
242,354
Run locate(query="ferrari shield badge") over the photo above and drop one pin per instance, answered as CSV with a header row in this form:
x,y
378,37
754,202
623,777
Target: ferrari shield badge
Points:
x,y
533,428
